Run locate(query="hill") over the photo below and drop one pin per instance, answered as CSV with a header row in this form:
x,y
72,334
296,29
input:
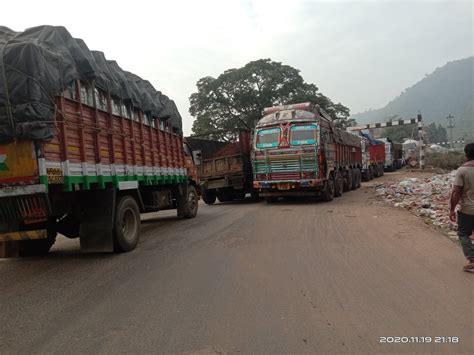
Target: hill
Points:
x,y
448,90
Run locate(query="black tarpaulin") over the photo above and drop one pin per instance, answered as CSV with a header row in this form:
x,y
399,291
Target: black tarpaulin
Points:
x,y
40,63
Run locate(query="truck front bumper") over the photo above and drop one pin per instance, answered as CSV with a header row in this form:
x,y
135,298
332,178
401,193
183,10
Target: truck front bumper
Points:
x,y
287,185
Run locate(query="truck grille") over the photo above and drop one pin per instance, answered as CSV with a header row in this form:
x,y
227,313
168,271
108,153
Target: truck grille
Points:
x,y
289,167
28,209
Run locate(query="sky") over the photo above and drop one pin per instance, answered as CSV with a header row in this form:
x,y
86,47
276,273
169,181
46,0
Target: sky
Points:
x,y
359,53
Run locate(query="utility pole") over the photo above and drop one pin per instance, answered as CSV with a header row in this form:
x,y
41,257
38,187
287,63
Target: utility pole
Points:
x,y
450,126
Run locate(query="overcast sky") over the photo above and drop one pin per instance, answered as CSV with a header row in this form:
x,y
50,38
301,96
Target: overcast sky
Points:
x,y
359,53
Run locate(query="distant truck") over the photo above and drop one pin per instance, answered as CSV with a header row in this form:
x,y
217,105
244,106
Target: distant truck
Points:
x,y
85,147
225,171
297,151
373,157
393,155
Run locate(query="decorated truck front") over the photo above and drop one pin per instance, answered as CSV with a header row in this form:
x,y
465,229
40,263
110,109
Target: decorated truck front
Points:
x,y
297,151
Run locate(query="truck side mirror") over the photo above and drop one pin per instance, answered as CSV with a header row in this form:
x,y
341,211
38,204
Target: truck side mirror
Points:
x,y
197,157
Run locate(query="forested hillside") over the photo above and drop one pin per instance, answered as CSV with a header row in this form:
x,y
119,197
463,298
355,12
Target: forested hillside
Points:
x,y
448,90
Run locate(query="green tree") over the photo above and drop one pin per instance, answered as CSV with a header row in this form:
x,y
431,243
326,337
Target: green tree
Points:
x,y
432,132
436,134
237,97
442,134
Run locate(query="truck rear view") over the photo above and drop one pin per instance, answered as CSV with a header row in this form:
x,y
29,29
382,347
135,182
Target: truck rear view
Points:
x,y
225,172
373,157
85,147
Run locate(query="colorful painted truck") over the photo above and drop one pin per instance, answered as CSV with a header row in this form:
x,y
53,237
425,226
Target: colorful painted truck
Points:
x,y
297,151
85,147
225,172
373,157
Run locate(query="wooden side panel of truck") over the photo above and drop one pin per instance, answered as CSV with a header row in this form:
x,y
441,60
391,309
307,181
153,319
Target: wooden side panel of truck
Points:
x,y
74,183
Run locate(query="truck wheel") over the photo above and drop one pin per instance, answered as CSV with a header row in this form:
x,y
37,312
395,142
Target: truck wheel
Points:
x,y
338,185
370,173
355,180
365,176
37,247
127,225
347,181
188,203
328,191
359,178
209,196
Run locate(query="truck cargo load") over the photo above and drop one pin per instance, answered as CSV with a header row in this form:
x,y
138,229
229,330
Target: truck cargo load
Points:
x,y
43,62
85,146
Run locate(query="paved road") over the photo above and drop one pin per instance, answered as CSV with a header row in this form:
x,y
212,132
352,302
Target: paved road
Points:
x,y
291,277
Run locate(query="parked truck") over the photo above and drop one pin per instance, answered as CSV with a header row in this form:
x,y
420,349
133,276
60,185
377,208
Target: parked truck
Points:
x,y
85,147
225,172
373,157
297,151
393,155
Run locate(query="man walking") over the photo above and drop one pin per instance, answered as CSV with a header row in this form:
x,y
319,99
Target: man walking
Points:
x,y
463,193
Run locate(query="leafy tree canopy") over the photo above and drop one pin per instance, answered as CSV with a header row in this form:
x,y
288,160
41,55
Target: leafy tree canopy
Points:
x,y
237,98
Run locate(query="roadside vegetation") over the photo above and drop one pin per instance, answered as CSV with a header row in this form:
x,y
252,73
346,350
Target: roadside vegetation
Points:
x,y
445,160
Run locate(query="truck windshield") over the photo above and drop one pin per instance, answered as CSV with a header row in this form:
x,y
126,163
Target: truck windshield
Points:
x,y
268,138
303,135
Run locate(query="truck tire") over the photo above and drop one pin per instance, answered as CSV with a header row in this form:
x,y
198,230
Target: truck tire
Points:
x,y
365,176
338,185
37,247
209,196
347,181
188,203
355,179
370,173
375,171
328,191
359,178
127,225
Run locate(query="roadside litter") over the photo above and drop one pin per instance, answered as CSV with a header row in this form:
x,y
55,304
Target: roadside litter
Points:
x,y
427,198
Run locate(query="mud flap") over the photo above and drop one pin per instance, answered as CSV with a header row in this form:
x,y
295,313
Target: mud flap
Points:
x,y
96,230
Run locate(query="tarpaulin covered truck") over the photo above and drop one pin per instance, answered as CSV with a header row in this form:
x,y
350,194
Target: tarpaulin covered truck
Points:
x,y
297,151
85,147
225,172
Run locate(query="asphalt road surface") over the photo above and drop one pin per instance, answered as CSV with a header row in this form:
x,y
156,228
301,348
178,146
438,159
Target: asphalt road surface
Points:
x,y
290,277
